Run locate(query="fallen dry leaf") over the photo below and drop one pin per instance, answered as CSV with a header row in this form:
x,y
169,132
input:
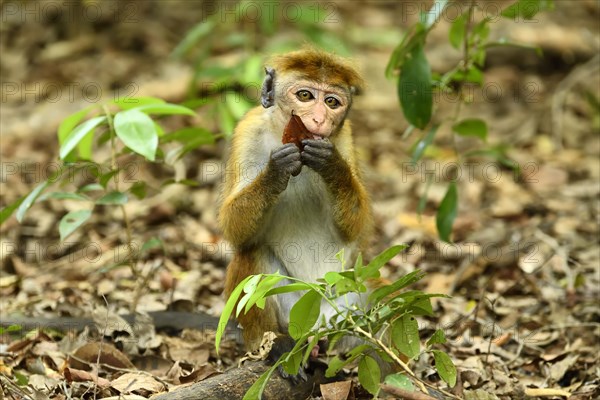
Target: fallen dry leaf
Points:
x,y
87,355
135,382
199,374
336,390
77,375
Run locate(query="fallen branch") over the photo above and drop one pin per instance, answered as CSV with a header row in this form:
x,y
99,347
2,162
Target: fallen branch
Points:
x,y
233,384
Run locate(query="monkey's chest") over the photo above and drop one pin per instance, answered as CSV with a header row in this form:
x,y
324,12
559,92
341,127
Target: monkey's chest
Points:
x,y
303,237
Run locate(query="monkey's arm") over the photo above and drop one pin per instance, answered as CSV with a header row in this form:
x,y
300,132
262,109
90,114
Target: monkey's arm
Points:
x,y
242,212
351,211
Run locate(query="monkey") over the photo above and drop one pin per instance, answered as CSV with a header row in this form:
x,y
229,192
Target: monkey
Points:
x,y
289,210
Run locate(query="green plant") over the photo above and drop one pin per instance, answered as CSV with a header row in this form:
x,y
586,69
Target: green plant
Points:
x,y
416,85
126,128
385,324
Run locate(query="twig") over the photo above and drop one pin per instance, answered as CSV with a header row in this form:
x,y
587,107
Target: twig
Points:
x,y
393,356
546,392
13,386
100,348
114,168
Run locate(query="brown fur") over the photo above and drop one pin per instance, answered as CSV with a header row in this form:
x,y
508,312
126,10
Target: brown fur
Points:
x,y
242,213
313,64
256,321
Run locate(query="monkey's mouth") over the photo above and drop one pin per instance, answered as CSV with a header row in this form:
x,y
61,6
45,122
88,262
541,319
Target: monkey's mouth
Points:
x,y
318,137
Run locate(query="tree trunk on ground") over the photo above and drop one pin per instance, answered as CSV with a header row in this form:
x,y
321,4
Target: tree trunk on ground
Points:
x,y
233,384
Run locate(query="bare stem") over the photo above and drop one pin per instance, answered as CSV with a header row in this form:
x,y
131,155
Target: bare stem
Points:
x,y
393,356
114,168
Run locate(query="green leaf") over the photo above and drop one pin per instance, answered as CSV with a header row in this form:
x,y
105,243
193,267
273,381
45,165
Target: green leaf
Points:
x,y
333,277
197,102
29,200
263,287
256,390
503,42
164,109
253,72
304,314
152,243
137,131
237,105
90,188
76,135
228,309
7,211
369,374
526,9
187,135
497,153
202,139
21,379
414,87
435,12
292,287
397,57
471,127
84,148
335,365
423,143
72,221
249,289
226,120
67,125
458,30
127,103
422,305
425,195
358,265
292,362
415,302
105,178
63,196
372,269
346,285
138,189
400,381
445,367
401,283
482,30
473,74
11,329
446,213
438,337
194,35
405,334
112,198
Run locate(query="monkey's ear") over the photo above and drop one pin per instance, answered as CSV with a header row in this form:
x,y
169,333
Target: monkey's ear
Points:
x,y
267,95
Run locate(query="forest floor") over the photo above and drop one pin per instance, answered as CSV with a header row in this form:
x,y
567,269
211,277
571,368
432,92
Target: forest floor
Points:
x,y
523,272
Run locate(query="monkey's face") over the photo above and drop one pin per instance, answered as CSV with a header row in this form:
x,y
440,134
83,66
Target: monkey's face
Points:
x,y
321,107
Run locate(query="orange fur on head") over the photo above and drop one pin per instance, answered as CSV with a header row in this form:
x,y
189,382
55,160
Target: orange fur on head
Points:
x,y
318,65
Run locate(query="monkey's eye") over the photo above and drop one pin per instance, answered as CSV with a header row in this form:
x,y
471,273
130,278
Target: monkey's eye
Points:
x,y
304,95
332,102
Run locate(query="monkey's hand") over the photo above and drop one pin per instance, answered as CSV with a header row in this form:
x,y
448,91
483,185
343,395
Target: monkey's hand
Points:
x,y
321,156
284,162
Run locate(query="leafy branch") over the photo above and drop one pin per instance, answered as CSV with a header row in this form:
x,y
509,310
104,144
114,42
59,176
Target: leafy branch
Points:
x,y
416,83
